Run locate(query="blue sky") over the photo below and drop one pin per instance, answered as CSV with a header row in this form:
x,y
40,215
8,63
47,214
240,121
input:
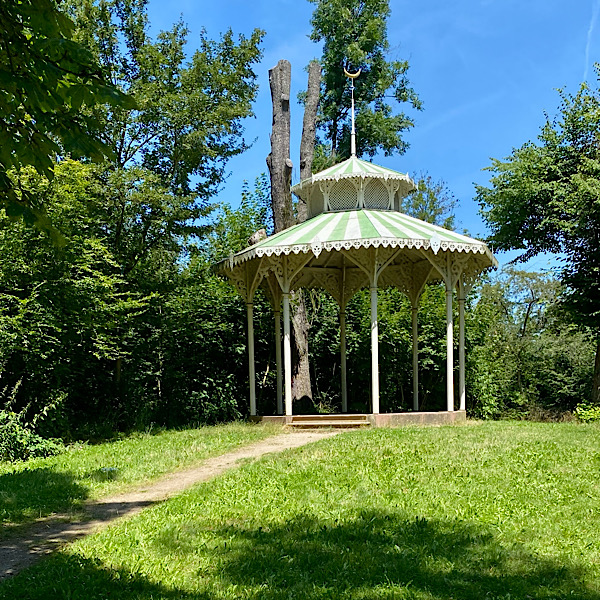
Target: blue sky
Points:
x,y
486,71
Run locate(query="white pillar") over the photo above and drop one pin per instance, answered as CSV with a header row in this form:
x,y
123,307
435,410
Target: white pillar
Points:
x,y
461,345
287,354
251,372
415,357
278,362
374,351
449,351
343,359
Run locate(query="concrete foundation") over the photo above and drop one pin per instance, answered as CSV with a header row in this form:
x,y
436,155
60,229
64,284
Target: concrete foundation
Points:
x,y
374,420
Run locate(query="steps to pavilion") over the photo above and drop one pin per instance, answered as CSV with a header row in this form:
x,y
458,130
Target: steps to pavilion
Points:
x,y
334,421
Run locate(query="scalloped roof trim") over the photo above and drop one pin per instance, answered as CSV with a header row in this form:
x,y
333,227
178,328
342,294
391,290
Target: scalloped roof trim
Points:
x,y
317,248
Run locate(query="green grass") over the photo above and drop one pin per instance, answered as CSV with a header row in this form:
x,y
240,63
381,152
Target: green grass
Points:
x,y
491,511
40,487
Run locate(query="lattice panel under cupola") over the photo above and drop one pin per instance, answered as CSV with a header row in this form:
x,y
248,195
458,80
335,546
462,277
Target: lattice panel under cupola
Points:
x,y
376,195
343,196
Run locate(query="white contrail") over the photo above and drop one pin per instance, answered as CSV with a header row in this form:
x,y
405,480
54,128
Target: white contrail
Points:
x,y
590,32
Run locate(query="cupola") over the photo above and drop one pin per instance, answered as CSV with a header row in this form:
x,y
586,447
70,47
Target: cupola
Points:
x,y
353,185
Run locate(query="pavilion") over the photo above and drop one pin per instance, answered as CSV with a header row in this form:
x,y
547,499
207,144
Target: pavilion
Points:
x,y
357,237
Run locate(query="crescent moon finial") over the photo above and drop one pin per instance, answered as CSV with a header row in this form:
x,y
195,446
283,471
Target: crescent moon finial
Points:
x,y
352,75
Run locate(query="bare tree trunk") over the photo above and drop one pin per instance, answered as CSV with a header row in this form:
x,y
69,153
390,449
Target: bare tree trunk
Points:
x,y
280,169
302,383
596,378
309,128
278,161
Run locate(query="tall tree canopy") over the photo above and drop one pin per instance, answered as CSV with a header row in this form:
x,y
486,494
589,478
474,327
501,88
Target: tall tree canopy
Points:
x,y
189,117
545,197
354,36
46,78
93,328
171,151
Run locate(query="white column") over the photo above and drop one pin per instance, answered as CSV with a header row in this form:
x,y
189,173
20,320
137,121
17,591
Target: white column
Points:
x,y
278,362
415,357
449,350
343,359
461,345
251,372
287,354
374,351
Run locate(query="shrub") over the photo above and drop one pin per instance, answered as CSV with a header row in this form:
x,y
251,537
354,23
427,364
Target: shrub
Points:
x,y
588,412
19,442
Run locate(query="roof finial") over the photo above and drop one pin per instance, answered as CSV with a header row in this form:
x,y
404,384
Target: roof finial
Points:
x,y
352,77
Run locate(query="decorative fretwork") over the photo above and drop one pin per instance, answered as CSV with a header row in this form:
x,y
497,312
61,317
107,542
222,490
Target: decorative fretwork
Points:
x,y
272,289
328,279
376,195
355,279
449,266
408,276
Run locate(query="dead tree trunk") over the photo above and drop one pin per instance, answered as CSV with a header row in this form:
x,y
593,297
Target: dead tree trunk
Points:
x,y
278,161
309,128
302,383
280,169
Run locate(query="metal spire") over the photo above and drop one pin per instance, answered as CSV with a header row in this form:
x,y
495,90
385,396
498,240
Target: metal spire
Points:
x,y
352,77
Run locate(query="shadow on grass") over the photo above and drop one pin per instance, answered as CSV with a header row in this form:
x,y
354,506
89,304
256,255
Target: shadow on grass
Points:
x,y
378,555
37,493
77,578
367,557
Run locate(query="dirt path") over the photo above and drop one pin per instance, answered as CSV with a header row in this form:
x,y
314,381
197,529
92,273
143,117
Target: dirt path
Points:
x,y
46,535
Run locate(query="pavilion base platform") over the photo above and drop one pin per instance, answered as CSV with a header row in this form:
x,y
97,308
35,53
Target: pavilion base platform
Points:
x,y
349,420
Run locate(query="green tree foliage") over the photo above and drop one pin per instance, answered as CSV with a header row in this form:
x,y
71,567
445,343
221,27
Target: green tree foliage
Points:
x,y
47,79
101,331
171,151
354,36
234,227
61,309
545,197
432,202
188,118
97,350
523,355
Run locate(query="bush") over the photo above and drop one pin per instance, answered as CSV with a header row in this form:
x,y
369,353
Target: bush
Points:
x,y
19,442
588,412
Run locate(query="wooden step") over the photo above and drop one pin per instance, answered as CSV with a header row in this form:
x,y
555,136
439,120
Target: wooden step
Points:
x,y
337,421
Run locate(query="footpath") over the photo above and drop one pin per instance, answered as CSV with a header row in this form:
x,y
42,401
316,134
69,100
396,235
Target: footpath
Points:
x,y
47,535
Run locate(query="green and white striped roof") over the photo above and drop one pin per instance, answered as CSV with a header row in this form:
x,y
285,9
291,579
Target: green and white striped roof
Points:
x,y
362,229
354,168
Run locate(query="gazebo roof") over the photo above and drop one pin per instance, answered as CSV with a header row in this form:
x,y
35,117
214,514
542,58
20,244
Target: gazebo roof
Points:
x,y
364,228
354,168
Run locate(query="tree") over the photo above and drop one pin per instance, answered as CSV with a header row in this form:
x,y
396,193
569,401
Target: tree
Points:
x,y
61,307
354,36
188,122
524,356
280,169
432,202
106,322
233,227
545,197
46,79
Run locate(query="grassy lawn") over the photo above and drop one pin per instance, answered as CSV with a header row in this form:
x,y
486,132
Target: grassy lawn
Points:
x,y
490,511
39,487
